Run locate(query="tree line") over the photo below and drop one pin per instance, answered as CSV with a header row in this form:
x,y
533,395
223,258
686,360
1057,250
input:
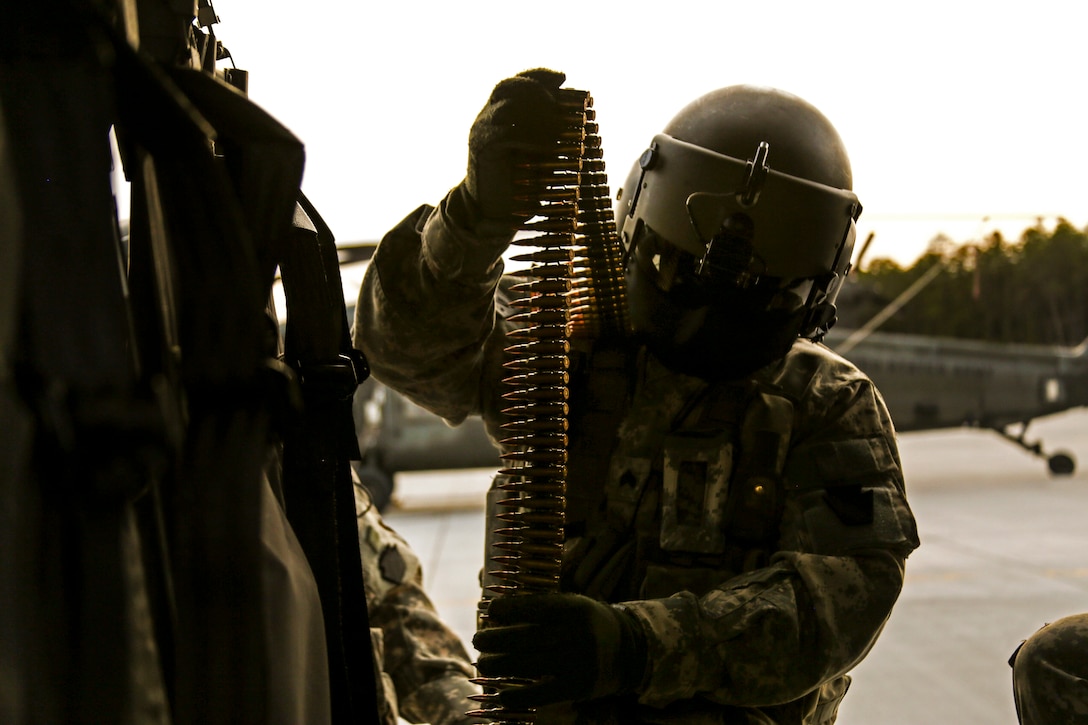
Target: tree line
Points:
x,y
1033,290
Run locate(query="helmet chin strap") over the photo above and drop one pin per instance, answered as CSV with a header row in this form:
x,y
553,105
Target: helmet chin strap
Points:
x,y
821,314
819,320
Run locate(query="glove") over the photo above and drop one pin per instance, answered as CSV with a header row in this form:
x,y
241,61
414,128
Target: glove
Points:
x,y
522,117
578,648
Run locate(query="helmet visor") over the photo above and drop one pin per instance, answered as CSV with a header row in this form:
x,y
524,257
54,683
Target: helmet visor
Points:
x,y
690,284
688,193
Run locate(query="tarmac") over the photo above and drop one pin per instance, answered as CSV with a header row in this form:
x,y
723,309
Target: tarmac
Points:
x,y
1004,550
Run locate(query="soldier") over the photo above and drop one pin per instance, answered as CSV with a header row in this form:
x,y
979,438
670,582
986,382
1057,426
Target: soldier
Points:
x,y
1049,676
737,525
424,667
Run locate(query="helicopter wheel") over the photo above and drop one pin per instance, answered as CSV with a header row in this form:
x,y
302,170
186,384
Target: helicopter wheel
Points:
x,y
1061,464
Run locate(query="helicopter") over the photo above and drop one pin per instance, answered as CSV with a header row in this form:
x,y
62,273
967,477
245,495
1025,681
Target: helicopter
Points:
x,y
930,383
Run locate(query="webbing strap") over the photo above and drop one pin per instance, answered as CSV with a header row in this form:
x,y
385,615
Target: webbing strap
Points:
x,y
318,490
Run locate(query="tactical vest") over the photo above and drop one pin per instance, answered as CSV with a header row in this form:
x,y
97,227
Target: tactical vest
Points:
x,y
669,495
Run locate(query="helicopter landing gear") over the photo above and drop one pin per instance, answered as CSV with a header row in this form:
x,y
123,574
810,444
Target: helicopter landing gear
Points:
x,y
1059,464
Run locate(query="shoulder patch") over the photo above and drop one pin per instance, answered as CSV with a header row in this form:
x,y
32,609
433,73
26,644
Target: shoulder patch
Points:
x,y
392,565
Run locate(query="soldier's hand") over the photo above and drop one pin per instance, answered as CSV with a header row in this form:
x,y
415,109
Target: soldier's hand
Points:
x,y
522,119
575,647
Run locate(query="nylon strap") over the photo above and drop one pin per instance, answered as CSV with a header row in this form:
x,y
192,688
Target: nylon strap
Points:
x,y
318,490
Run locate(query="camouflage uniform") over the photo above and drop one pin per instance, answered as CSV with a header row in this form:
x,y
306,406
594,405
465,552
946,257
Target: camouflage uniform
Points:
x,y
1050,674
424,668
758,530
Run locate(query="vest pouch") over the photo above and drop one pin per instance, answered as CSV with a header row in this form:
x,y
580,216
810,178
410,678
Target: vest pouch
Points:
x,y
601,564
695,490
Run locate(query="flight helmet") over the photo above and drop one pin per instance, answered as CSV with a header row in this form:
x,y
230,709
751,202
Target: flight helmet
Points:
x,y
737,219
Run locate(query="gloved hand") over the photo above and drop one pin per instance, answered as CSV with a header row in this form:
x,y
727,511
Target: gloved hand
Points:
x,y
521,117
579,648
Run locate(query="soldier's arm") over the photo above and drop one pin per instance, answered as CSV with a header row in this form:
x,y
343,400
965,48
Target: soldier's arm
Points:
x,y
426,308
423,658
770,636
776,633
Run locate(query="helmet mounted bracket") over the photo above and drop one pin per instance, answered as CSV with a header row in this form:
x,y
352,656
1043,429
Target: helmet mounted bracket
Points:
x,y
731,248
646,161
755,176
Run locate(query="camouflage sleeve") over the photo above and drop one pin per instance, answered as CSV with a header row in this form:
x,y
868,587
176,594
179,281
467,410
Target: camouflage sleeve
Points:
x,y
776,633
426,310
425,661
768,636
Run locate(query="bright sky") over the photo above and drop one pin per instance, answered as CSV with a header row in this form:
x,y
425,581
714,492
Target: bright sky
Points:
x,y
960,117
